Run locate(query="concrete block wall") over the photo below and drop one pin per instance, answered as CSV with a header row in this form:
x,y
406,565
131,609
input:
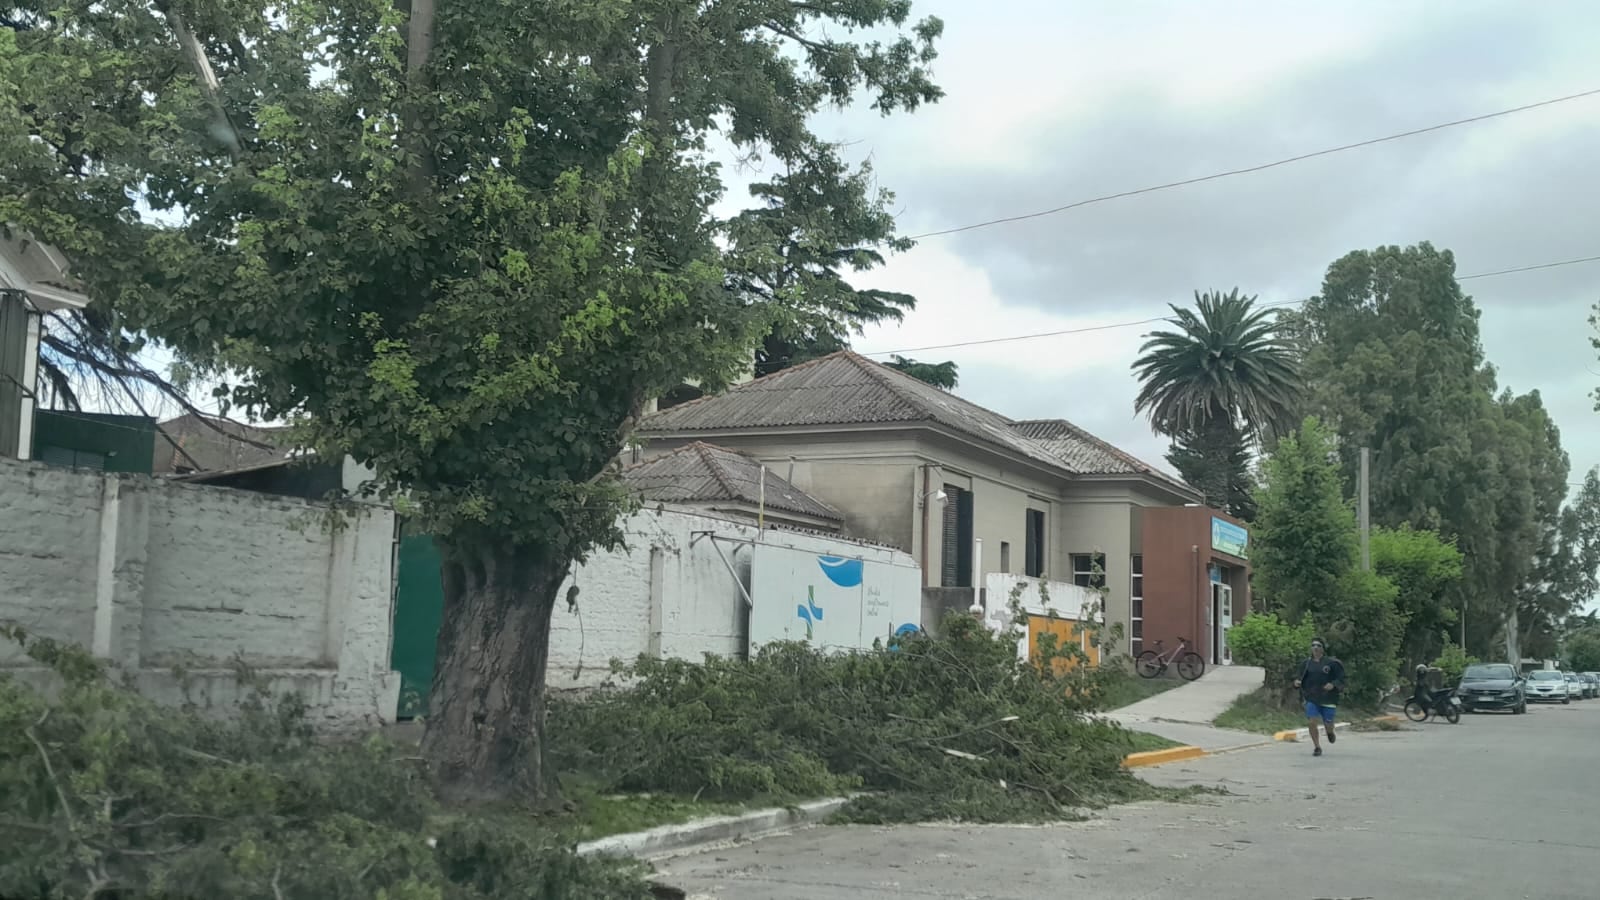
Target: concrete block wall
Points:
x,y
150,574
670,593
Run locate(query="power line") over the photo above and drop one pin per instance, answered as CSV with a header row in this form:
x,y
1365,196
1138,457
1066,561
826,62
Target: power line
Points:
x,y
1257,168
1159,319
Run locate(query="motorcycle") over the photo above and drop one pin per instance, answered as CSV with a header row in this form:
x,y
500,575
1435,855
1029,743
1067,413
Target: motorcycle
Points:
x,y
1425,704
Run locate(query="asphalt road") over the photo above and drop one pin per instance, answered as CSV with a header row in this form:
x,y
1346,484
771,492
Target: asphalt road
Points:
x,y
1498,807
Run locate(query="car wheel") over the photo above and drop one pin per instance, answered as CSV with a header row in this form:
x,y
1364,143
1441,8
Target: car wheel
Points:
x,y
1565,700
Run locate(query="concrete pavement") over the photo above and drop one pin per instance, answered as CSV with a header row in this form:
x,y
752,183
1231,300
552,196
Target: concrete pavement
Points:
x,y
1184,713
1494,808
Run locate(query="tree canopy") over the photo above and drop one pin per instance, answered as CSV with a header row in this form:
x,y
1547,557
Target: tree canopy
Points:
x,y
1393,362
1307,562
462,243
941,375
1223,380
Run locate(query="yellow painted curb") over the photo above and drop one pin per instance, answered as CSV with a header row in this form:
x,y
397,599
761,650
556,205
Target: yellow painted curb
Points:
x,y
1291,735
1386,719
1157,757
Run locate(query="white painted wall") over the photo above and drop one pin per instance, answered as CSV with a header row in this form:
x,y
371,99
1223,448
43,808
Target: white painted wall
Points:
x,y
149,574
671,594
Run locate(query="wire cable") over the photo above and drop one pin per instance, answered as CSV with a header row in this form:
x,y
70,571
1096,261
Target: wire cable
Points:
x,y
1160,319
1258,168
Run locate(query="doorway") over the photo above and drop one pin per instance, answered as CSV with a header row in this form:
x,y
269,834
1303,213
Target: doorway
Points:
x,y
1221,622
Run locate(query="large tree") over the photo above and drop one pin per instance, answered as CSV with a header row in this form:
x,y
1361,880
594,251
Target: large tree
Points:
x,y
1223,381
1567,575
462,242
1394,363
1307,561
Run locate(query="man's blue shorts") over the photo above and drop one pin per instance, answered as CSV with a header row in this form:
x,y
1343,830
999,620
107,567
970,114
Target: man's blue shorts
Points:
x,y
1318,711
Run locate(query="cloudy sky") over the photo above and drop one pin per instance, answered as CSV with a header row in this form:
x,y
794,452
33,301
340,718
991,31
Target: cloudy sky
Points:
x,y
1050,103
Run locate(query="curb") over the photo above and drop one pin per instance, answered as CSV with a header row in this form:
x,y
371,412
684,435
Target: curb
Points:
x,y
1157,757
668,839
1300,734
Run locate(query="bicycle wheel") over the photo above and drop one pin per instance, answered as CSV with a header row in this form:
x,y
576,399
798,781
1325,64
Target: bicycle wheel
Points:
x,y
1415,712
1148,664
1191,665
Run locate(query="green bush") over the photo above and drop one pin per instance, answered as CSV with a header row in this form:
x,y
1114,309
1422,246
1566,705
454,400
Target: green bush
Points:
x,y
954,727
1452,662
1362,629
106,795
1264,640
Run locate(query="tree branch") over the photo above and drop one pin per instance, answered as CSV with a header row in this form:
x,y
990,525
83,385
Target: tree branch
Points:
x,y
209,85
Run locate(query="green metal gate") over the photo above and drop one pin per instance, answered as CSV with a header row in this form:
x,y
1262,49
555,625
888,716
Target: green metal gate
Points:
x,y
418,604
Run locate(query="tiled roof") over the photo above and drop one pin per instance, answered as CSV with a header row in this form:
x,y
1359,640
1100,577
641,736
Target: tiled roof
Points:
x,y
839,389
704,473
849,389
1086,454
215,444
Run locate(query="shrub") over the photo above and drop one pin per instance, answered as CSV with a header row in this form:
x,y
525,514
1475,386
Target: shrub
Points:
x,y
954,727
1264,640
108,796
1452,662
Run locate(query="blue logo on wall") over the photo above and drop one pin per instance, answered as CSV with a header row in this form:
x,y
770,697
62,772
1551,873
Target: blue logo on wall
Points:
x,y
844,572
809,610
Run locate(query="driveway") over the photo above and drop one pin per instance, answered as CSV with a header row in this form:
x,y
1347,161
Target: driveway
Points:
x,y
1184,713
1497,807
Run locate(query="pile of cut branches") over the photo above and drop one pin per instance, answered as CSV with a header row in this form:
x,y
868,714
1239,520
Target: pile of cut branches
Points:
x,y
949,727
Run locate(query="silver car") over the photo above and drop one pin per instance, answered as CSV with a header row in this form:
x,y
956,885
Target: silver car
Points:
x,y
1548,686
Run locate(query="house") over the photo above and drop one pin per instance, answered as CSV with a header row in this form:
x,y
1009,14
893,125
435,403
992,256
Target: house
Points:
x,y
971,494
34,281
718,480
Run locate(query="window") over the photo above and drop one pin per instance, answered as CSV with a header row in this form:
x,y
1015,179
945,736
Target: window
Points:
x,y
1034,562
1136,607
1005,557
1089,570
955,557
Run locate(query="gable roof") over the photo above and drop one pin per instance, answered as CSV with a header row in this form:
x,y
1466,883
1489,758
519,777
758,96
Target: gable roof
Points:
x,y
704,473
842,388
846,388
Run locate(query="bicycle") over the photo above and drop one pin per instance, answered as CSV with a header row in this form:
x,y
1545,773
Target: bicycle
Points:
x,y
1153,663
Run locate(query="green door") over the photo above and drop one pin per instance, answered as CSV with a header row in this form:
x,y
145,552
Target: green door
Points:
x,y
418,604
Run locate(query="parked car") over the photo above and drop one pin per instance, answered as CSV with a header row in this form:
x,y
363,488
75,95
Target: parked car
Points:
x,y
1591,687
1548,686
1594,682
1575,686
1488,686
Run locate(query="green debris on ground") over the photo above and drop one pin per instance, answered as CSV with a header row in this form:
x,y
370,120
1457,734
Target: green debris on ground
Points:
x,y
108,795
953,727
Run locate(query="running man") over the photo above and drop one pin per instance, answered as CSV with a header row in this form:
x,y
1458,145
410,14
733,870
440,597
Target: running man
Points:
x,y
1320,681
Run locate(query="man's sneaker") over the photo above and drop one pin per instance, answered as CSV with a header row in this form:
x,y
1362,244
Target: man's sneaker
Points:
x,y
1331,736
1316,751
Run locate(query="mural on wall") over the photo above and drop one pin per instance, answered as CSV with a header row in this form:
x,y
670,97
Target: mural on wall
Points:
x,y
837,602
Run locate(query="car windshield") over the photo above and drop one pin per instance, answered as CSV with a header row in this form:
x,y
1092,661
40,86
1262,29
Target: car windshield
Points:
x,y
1546,675
1488,673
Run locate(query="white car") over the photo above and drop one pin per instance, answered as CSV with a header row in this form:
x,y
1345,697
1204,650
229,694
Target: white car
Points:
x,y
1548,686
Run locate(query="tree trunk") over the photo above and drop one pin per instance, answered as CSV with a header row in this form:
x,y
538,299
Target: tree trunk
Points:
x,y
485,731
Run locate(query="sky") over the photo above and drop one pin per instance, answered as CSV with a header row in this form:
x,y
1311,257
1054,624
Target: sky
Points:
x,y
1050,103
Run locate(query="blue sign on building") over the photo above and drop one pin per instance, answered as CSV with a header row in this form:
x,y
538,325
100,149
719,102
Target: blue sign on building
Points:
x,y
1229,538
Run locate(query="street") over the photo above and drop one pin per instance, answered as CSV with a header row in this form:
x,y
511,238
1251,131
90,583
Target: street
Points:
x,y
1499,806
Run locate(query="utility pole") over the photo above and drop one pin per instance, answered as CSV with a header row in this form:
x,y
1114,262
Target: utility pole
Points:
x,y
1364,513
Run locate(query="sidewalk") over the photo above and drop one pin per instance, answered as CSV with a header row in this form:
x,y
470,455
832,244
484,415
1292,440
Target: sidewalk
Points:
x,y
1184,714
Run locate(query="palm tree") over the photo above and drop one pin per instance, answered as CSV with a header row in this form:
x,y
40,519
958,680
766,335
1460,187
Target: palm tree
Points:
x,y
1226,378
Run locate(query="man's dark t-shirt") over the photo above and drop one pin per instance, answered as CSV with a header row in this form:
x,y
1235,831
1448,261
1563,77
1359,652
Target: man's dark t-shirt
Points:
x,y
1317,674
